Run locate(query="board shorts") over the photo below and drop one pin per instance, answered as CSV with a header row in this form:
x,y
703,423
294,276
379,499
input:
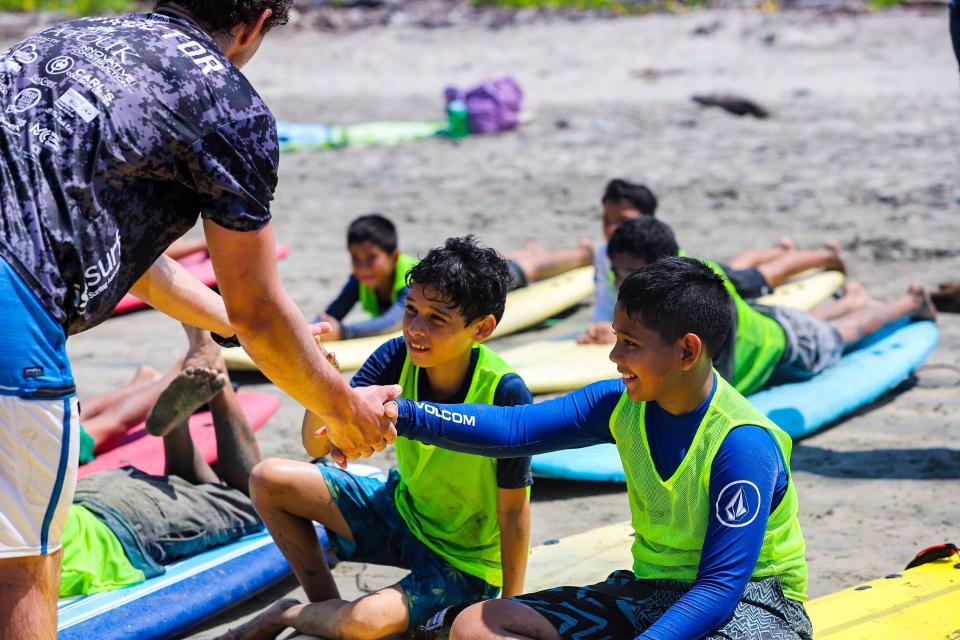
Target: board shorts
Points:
x,y
39,424
162,519
749,282
624,607
812,345
380,536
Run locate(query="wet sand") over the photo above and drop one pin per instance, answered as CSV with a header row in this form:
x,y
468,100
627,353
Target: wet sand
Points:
x,y
861,147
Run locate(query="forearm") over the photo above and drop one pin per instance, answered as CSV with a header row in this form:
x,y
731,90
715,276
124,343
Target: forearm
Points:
x,y
578,419
701,611
169,287
514,548
316,445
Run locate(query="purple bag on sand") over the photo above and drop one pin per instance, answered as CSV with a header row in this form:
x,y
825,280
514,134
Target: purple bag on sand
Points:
x,y
492,106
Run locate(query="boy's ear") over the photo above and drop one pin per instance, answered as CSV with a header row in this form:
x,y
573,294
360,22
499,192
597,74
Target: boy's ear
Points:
x,y
485,327
691,349
395,256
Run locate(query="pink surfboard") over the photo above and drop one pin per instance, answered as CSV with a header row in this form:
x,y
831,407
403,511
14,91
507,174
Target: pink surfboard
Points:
x,y
145,452
199,265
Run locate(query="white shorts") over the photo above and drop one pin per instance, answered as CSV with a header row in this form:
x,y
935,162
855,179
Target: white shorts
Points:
x,y
39,450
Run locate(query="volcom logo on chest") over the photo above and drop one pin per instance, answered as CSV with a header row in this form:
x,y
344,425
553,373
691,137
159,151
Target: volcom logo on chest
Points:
x,y
738,504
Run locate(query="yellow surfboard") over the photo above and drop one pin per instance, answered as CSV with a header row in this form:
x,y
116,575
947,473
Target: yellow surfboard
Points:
x,y
525,307
916,604
555,366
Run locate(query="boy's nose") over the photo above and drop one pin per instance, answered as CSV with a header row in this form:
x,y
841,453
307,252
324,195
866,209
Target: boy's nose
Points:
x,y
615,355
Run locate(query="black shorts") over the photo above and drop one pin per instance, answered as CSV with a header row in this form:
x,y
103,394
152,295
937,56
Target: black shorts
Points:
x,y
624,607
518,279
749,283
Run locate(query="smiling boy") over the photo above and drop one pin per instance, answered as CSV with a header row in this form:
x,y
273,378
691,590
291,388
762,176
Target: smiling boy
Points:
x,y
459,522
718,550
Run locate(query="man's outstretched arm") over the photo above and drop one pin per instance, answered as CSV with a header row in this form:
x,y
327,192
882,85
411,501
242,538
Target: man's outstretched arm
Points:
x,y
273,331
578,419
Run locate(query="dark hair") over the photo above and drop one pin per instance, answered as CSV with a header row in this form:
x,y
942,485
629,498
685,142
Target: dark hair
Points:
x,y
374,228
636,195
463,272
675,296
644,237
218,16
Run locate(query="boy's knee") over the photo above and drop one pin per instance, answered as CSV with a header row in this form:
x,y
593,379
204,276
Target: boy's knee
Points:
x,y
470,624
265,478
362,624
496,618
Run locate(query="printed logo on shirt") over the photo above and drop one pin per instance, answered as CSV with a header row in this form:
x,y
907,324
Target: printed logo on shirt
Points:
x,y
75,103
60,64
33,372
25,100
26,54
207,61
738,504
449,416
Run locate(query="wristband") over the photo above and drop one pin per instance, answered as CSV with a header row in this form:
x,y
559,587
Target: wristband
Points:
x,y
232,341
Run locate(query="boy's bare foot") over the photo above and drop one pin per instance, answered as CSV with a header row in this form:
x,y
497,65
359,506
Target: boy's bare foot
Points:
x,y
533,247
854,292
787,244
190,390
925,309
265,626
144,374
839,263
586,247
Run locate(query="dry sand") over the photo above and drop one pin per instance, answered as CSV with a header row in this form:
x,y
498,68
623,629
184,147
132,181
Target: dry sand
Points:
x,y
861,147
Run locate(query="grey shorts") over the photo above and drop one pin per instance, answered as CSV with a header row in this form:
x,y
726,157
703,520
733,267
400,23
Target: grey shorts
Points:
x,y
812,345
518,279
161,519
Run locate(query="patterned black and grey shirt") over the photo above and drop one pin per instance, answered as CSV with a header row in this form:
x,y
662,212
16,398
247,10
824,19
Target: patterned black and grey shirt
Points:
x,y
115,134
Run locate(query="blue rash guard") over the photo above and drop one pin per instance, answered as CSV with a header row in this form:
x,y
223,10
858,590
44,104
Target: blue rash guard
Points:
x,y
581,419
390,318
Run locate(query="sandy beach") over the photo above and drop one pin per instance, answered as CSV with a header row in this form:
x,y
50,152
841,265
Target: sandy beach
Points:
x,y
861,146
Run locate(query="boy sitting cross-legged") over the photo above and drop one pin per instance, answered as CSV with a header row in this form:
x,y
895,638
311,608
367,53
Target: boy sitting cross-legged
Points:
x,y
460,523
718,550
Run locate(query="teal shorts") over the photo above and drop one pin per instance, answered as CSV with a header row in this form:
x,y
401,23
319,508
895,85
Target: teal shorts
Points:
x,y
380,536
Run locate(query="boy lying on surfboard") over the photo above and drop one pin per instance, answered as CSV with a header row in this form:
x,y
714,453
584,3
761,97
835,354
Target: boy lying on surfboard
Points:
x,y
379,276
769,343
460,523
753,273
717,548
124,525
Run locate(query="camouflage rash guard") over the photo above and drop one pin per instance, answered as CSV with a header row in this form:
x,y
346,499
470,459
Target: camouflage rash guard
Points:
x,y
115,134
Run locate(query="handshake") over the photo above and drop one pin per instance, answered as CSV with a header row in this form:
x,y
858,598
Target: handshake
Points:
x,y
359,425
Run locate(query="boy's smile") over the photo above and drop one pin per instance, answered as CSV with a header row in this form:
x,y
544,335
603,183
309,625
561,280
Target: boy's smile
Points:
x,y
434,331
648,365
372,265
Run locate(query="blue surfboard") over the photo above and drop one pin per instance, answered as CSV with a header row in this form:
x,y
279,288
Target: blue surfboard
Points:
x,y
188,592
873,368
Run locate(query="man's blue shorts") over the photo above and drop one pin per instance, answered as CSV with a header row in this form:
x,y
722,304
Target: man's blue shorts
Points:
x,y
380,536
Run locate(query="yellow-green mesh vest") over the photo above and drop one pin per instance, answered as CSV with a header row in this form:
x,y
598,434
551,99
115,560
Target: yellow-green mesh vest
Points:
x,y
368,296
449,499
758,345
670,516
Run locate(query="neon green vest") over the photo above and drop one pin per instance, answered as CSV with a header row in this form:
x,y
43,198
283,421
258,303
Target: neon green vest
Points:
x,y
93,558
670,517
368,296
758,344
449,499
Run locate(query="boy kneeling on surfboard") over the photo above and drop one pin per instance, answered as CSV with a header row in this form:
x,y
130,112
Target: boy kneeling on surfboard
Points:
x,y
772,343
718,547
459,522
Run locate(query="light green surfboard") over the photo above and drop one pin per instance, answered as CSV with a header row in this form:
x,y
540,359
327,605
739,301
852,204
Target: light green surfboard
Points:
x,y
556,366
525,307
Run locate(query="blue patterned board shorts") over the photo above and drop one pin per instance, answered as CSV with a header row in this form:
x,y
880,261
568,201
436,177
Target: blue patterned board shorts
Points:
x,y
380,536
624,607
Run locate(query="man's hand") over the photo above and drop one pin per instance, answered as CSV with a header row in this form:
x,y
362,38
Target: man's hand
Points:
x,y
598,333
368,427
390,412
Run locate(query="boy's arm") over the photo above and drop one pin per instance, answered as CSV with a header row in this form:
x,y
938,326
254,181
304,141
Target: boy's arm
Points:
x,y
513,514
578,419
315,442
386,322
604,299
729,556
